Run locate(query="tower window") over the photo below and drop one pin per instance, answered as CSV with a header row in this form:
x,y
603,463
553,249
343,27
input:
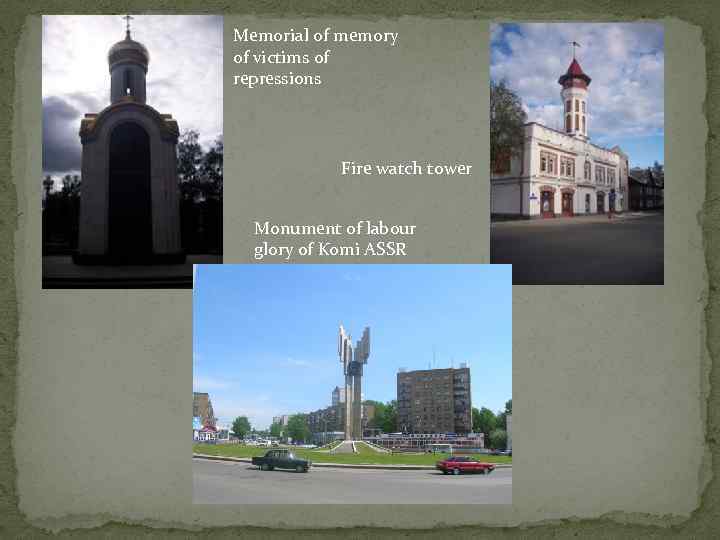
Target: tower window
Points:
x,y
127,82
583,106
568,109
584,127
577,105
568,123
577,123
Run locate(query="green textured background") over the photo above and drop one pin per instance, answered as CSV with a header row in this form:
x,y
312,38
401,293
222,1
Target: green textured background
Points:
x,y
704,521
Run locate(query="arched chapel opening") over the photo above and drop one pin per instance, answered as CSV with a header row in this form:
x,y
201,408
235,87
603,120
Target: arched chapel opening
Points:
x,y
130,203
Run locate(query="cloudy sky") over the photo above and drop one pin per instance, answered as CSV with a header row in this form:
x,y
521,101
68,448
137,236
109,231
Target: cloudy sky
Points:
x,y
625,62
184,76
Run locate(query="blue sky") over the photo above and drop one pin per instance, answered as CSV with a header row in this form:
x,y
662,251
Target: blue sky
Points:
x,y
265,336
626,62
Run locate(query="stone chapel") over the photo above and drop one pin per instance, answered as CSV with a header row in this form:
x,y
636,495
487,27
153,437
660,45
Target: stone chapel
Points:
x,y
130,202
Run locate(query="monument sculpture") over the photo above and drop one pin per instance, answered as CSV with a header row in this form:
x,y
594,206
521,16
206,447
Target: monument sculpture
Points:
x,y
353,360
130,202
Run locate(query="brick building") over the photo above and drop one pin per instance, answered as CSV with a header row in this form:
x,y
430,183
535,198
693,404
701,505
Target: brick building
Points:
x,y
434,401
203,409
332,418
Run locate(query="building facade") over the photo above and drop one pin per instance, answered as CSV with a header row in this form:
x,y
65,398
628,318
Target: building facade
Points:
x,y
560,173
338,395
434,401
646,190
332,419
203,409
282,419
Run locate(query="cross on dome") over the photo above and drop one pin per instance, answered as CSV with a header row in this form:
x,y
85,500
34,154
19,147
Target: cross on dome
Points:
x,y
127,18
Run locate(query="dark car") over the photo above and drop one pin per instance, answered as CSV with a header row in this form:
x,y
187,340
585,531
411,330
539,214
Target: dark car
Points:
x,y
463,464
281,459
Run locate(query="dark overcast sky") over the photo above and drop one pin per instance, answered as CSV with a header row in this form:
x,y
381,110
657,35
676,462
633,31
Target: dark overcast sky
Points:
x,y
184,76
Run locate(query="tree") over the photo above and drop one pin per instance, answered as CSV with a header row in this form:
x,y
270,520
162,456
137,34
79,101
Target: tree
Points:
x,y
189,156
508,406
507,118
498,439
658,172
211,169
240,426
275,429
297,428
484,421
385,418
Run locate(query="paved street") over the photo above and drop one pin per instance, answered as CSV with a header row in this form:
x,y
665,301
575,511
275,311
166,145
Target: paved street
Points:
x,y
590,250
218,482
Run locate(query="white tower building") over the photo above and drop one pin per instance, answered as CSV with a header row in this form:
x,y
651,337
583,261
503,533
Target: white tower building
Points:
x,y
575,100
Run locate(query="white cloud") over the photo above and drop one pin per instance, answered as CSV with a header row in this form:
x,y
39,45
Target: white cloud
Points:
x,y
624,60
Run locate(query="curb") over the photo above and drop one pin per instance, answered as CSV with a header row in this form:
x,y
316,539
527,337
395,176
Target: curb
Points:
x,y
343,465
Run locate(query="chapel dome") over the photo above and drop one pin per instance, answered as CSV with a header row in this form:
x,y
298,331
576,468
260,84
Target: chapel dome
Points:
x,y
128,51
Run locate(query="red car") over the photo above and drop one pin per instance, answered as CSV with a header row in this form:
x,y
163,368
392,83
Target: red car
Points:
x,y
462,464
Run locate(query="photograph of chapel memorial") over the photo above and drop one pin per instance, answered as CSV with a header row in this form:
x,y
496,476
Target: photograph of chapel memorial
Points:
x,y
132,149
577,152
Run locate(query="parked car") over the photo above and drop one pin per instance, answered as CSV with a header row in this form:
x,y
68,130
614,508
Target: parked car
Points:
x,y
281,459
463,464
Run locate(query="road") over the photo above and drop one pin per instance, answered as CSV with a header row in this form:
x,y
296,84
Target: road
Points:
x,y
222,482
583,250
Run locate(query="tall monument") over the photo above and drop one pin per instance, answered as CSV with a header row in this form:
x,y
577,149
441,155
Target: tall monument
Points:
x,y
130,201
353,360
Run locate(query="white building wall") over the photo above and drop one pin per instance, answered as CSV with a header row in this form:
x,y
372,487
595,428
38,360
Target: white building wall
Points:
x,y
526,178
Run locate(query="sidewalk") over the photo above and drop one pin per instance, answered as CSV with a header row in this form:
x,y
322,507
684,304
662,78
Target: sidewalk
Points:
x,y
344,465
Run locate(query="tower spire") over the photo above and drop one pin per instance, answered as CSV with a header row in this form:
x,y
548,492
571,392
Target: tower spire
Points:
x,y
127,18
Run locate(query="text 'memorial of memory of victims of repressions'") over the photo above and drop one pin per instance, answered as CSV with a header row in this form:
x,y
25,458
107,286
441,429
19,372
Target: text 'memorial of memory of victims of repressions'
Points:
x,y
286,67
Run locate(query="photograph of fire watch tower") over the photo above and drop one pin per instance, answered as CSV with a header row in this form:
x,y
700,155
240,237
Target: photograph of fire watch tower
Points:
x,y
417,414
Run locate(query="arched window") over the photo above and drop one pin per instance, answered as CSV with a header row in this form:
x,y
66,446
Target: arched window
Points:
x,y
127,82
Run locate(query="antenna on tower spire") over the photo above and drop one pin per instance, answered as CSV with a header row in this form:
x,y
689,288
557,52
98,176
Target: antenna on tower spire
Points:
x,y
574,44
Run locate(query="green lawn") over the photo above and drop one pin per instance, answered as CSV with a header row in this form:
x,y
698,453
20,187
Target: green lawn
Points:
x,y
365,455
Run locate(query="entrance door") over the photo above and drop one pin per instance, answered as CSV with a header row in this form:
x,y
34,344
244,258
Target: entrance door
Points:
x,y
547,206
600,203
129,211
567,204
587,203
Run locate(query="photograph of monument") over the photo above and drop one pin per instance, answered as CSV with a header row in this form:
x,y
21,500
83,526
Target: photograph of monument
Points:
x,y
352,384
132,187
577,152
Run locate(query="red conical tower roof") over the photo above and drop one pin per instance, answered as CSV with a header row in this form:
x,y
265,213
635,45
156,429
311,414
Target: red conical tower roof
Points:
x,y
574,76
